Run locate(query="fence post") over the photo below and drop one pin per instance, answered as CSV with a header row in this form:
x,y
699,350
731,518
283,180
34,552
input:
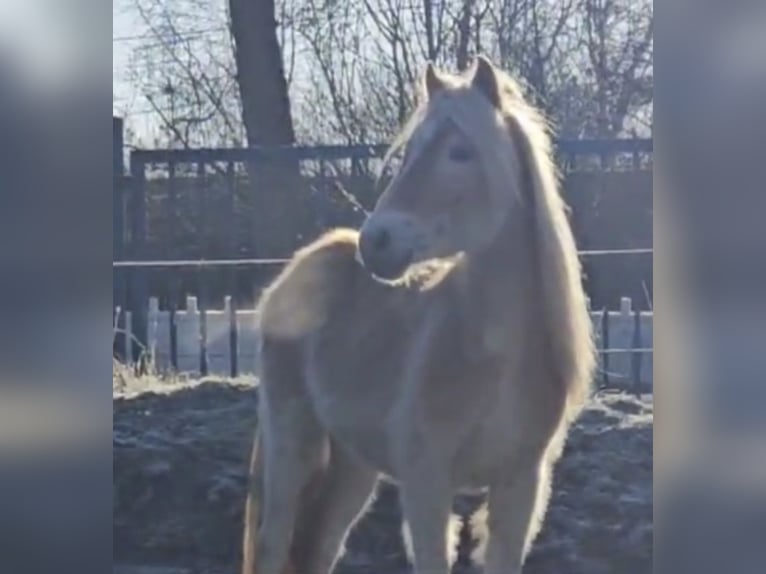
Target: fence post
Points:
x,y
188,337
128,327
118,229
138,276
635,356
118,173
153,330
605,346
173,326
230,306
203,338
622,338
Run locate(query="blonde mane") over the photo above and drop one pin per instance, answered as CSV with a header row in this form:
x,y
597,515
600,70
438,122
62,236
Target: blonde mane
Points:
x,y
566,313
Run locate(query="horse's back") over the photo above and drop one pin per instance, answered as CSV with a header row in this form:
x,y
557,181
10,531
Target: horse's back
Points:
x,y
300,299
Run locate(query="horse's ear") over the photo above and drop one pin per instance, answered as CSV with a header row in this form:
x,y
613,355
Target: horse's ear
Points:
x,y
432,81
485,80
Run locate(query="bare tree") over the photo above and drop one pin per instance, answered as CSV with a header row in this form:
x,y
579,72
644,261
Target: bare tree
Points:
x,y
428,20
618,38
349,66
464,34
182,68
333,47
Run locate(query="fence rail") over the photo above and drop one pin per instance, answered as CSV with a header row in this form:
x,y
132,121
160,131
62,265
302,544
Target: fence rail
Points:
x,y
224,341
153,209
594,147
256,261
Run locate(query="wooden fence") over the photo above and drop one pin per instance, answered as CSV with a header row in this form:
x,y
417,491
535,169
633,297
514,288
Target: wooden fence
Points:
x,y
224,342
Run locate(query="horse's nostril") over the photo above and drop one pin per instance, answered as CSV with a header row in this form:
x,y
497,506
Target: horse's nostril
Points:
x,y
381,240
382,253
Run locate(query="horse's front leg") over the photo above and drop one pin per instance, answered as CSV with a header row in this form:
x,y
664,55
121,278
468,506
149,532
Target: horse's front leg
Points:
x,y
426,495
516,510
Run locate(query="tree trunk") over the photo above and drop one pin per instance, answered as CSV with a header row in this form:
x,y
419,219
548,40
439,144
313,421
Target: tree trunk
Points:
x,y
280,207
464,34
429,23
262,84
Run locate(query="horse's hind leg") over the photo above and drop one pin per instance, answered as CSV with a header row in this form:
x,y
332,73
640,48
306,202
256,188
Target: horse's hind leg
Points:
x,y
291,453
345,489
516,511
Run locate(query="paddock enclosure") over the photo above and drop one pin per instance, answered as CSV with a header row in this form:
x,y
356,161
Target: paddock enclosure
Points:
x,y
196,238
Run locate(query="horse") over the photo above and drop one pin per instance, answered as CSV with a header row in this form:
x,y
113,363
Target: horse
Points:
x,y
445,346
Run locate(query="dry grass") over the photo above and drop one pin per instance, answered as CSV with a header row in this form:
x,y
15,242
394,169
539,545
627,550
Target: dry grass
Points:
x,y
181,448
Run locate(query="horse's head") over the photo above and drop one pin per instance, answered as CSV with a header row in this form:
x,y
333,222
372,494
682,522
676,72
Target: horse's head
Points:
x,y
459,177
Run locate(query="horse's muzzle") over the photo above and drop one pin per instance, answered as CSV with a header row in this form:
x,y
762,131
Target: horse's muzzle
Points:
x,y
381,254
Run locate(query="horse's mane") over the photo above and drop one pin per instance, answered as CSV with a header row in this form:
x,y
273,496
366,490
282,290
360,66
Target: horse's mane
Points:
x,y
566,316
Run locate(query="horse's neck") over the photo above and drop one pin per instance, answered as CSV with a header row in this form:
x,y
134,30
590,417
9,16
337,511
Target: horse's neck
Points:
x,y
498,287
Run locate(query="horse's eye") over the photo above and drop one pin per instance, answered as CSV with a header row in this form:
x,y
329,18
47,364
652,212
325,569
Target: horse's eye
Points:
x,y
460,153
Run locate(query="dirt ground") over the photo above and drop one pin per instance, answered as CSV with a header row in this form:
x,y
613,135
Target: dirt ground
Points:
x,y
180,464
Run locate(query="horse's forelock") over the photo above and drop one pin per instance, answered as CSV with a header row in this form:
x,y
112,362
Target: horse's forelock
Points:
x,y
487,129
469,114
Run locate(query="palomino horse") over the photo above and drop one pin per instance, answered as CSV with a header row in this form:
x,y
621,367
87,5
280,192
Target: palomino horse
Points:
x,y
446,345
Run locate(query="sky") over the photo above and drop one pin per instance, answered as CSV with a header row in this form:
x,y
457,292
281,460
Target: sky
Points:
x,y
130,32
123,27
126,32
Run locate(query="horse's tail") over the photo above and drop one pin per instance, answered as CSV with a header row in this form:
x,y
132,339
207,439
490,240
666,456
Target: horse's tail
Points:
x,y
302,533
253,513
300,300
252,507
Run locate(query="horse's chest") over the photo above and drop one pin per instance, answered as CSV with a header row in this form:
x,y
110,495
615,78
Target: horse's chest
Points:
x,y
353,402
493,441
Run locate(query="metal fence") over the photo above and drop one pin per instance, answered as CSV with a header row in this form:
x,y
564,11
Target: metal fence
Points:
x,y
167,200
